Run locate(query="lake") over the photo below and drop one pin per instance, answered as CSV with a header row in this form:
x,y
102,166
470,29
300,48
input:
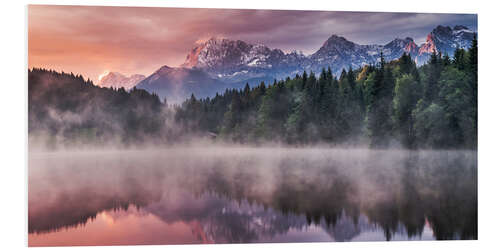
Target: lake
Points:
x,y
216,194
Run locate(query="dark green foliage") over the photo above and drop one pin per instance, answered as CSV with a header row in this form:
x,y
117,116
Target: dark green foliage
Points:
x,y
379,109
273,112
447,117
391,102
388,104
433,71
73,110
406,95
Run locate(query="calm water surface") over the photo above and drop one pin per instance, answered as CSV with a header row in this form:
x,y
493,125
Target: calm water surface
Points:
x,y
246,195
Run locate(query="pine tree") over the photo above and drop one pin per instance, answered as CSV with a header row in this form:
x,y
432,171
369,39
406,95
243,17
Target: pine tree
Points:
x,y
432,87
473,68
378,118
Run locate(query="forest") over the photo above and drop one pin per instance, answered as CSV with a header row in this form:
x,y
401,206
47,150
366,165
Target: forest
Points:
x,y
64,109
387,104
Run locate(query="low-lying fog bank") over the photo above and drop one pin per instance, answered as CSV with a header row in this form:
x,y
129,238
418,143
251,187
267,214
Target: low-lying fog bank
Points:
x,y
388,187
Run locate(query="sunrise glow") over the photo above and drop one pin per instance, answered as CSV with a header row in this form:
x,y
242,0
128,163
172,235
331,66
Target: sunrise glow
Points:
x,y
103,75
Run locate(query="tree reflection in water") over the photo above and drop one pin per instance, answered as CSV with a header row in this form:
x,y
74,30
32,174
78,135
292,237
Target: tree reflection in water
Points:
x,y
261,195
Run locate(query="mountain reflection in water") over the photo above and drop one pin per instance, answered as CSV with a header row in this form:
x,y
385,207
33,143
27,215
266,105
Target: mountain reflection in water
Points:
x,y
243,195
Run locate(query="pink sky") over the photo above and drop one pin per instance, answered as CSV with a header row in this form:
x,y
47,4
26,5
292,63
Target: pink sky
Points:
x,y
90,40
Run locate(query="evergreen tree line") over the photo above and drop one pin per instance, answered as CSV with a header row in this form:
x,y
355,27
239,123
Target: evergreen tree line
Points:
x,y
66,108
389,103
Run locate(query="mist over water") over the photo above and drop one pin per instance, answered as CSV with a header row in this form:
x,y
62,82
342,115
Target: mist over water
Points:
x,y
229,194
308,157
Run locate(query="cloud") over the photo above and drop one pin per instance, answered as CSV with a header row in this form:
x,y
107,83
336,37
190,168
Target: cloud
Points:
x,y
92,39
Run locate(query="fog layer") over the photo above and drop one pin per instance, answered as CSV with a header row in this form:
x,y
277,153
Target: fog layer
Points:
x,y
397,191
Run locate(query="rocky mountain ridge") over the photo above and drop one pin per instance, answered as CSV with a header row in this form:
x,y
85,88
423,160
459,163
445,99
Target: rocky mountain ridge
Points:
x,y
220,63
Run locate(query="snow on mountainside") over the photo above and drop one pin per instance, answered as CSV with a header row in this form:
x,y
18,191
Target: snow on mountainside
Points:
x,y
444,39
229,60
118,80
343,53
226,55
398,46
234,61
219,63
339,53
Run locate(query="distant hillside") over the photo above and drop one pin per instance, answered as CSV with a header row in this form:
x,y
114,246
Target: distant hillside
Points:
x,y
65,108
118,80
219,63
176,84
388,104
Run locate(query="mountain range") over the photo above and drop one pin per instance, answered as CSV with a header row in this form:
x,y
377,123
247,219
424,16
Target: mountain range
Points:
x,y
219,63
176,84
118,80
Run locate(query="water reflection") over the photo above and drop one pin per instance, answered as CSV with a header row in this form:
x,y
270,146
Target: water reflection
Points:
x,y
238,195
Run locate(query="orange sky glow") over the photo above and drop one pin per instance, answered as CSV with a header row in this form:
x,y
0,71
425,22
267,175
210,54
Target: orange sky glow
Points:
x,y
91,40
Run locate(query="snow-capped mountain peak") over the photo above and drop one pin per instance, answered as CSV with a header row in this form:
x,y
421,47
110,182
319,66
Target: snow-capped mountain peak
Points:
x,y
338,42
216,52
218,63
228,59
445,40
236,60
118,80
